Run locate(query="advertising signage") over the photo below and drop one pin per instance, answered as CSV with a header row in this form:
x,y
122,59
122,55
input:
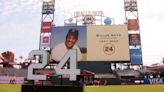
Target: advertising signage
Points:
x,y
133,24
46,27
135,56
93,43
134,39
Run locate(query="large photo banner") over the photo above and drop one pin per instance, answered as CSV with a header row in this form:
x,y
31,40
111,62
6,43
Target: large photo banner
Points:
x,y
92,42
64,38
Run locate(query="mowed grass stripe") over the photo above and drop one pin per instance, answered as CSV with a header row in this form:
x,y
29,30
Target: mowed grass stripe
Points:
x,y
125,88
110,88
10,87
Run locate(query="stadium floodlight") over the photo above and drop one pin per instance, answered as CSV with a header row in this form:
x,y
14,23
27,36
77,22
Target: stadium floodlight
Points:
x,y
47,0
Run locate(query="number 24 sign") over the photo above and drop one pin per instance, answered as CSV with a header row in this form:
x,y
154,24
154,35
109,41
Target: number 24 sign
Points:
x,y
72,71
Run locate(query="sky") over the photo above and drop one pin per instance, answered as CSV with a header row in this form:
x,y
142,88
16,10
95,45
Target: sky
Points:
x,y
20,23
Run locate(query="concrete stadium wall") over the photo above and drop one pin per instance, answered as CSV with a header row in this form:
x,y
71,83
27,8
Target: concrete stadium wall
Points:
x,y
6,79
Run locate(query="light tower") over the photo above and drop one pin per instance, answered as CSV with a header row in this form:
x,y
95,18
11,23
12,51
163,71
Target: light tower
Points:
x,y
48,9
132,20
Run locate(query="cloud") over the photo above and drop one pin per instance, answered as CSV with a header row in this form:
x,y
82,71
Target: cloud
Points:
x,y
20,37
151,24
65,9
20,25
18,6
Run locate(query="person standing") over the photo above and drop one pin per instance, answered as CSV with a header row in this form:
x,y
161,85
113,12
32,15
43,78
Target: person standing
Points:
x,y
13,79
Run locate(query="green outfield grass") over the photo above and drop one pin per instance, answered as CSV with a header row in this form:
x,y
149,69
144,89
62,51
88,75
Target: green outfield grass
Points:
x,y
125,88
10,87
111,88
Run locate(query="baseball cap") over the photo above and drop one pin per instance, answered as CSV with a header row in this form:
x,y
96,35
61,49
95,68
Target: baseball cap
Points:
x,y
73,32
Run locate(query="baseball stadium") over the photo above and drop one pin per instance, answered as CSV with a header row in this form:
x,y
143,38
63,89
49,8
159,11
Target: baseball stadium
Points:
x,y
89,53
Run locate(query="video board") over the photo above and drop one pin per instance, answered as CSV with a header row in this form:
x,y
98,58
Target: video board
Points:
x,y
95,42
